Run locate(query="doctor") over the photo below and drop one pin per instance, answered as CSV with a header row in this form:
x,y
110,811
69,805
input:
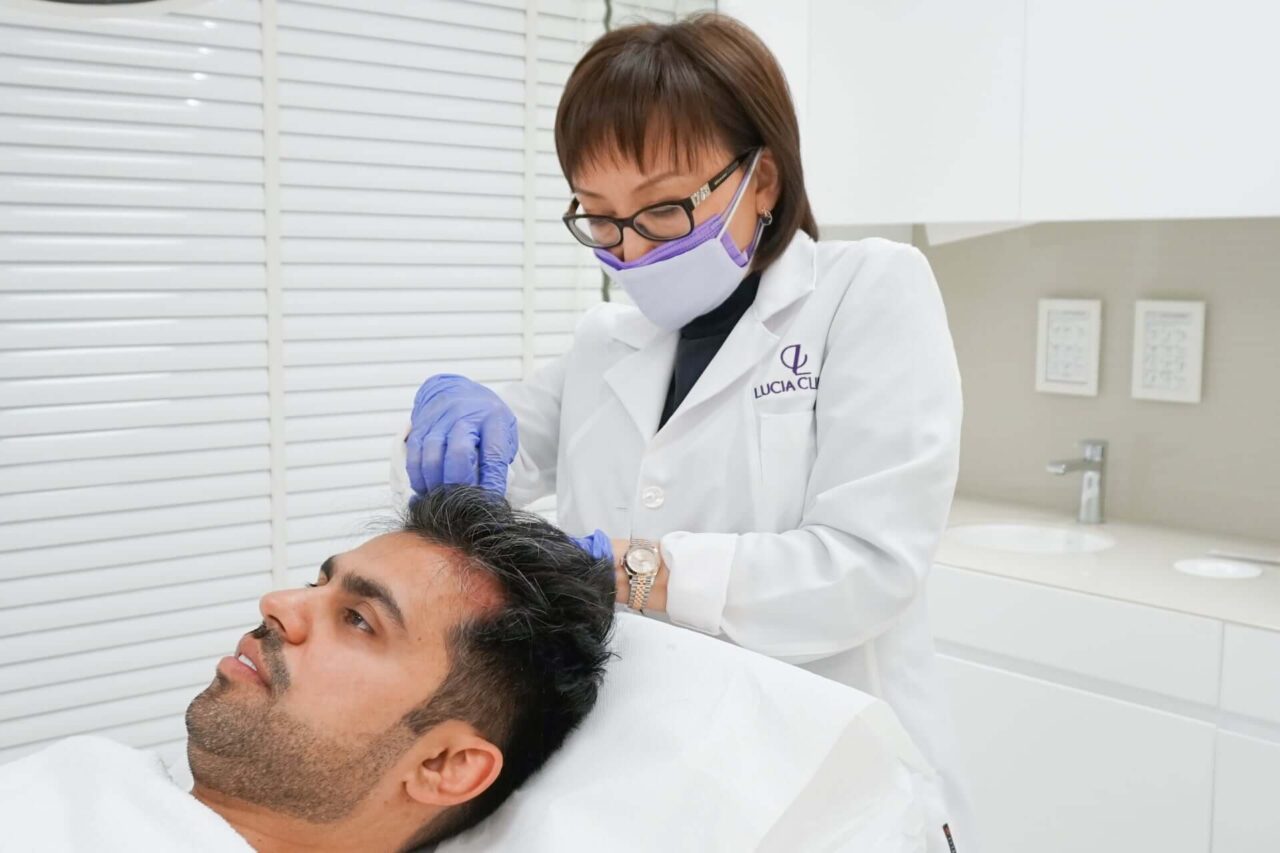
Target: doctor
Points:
x,y
767,442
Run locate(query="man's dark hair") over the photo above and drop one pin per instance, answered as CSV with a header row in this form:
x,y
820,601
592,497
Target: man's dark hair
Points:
x,y
526,672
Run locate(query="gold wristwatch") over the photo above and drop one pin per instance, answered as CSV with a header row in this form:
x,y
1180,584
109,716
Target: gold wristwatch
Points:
x,y
641,565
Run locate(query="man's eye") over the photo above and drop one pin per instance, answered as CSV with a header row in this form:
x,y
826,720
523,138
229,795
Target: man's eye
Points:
x,y
353,617
310,585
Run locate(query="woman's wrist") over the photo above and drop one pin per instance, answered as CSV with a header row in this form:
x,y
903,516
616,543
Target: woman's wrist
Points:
x,y
657,599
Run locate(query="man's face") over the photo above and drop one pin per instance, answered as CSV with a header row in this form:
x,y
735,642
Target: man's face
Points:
x,y
338,666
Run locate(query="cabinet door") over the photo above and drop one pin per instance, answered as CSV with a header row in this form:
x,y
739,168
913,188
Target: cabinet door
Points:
x,y
913,110
1151,109
1246,795
1059,770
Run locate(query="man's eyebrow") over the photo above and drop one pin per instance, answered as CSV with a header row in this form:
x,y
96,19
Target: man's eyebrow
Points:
x,y
366,588
375,592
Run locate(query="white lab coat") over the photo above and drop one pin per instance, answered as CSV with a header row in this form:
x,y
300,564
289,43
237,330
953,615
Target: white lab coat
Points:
x,y
798,494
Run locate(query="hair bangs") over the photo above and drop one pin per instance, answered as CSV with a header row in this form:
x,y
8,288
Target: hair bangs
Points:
x,y
661,119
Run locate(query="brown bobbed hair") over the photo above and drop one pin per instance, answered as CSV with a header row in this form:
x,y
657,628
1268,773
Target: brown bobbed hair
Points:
x,y
702,81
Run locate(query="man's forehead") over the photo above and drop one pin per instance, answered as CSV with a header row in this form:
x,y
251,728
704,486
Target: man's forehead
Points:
x,y
432,582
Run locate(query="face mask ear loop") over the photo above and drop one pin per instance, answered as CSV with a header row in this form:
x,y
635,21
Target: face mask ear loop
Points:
x,y
737,196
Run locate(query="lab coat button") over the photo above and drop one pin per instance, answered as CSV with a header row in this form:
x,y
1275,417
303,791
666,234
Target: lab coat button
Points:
x,y
652,497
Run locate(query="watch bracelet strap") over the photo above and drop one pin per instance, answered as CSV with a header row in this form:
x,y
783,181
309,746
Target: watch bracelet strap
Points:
x,y
641,585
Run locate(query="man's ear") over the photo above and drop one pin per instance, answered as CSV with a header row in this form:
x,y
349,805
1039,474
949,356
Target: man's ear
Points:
x,y
454,764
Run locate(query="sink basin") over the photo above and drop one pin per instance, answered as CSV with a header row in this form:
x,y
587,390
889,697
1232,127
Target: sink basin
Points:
x,y
1218,568
1030,538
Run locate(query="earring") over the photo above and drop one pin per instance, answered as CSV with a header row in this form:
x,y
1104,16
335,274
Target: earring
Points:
x,y
767,217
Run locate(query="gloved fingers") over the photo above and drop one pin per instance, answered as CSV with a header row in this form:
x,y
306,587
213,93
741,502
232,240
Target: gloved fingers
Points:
x,y
461,454
498,442
434,386
431,463
597,544
413,460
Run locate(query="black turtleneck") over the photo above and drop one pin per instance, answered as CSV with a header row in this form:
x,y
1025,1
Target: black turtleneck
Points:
x,y
700,340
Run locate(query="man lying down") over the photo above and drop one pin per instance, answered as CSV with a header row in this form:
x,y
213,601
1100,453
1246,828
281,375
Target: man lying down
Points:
x,y
393,703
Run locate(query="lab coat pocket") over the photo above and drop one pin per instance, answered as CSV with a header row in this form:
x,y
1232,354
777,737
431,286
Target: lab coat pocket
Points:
x,y
787,450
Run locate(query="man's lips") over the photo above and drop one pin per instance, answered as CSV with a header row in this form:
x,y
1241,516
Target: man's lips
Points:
x,y
248,658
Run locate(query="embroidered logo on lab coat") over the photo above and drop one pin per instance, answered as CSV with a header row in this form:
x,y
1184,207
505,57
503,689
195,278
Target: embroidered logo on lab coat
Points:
x,y
793,358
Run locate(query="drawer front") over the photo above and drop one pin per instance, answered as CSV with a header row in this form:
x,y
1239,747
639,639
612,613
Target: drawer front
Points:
x,y
1173,654
1251,673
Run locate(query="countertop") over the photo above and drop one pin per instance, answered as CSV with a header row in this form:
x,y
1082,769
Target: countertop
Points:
x,y
1138,568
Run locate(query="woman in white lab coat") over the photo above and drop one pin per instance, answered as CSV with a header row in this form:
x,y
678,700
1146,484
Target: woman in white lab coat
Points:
x,y
774,426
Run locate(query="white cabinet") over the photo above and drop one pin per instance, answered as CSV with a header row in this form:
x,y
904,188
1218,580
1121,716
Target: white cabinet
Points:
x,y
912,110
1059,770
1031,110
1086,723
1151,109
1246,801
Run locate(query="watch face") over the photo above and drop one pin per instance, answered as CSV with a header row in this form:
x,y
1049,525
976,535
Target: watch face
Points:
x,y
643,561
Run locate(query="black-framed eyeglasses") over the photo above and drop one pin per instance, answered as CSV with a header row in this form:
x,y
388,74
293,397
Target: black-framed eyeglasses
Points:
x,y
661,222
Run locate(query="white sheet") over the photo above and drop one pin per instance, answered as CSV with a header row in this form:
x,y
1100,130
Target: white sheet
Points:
x,y
94,794
700,745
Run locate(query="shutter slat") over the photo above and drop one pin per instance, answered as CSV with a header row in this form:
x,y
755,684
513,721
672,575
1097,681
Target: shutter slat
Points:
x,y
130,387
243,172
367,75
298,42
116,471
142,413
84,638
132,604
128,443
402,30
111,360
76,219
87,584
90,192
72,668
73,503
191,113
371,499
374,351
137,549
118,79
101,46
108,526
399,203
383,422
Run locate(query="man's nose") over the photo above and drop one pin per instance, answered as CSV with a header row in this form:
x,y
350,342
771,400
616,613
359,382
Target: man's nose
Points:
x,y
288,612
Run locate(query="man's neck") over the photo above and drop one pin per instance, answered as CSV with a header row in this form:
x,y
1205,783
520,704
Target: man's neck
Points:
x,y
271,832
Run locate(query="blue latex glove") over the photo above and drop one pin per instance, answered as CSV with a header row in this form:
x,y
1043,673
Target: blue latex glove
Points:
x,y
461,433
599,546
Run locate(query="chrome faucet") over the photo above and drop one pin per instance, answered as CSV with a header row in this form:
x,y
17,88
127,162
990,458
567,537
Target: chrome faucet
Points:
x,y
1093,464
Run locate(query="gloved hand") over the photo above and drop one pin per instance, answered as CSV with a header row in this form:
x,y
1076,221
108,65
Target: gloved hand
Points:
x,y
596,544
461,432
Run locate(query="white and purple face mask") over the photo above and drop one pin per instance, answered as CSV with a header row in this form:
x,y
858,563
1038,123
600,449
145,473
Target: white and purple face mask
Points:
x,y
683,279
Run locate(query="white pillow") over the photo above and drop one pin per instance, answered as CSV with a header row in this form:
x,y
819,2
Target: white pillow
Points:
x,y
697,744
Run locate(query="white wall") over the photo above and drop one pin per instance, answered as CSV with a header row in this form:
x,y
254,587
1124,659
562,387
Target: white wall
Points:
x,y
233,241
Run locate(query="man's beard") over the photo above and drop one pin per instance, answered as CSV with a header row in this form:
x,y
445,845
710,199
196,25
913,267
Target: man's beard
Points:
x,y
254,751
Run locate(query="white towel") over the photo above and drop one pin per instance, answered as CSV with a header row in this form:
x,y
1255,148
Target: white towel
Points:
x,y
95,794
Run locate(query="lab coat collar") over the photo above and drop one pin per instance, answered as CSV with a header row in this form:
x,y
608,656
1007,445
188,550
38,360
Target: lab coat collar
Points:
x,y
640,379
792,276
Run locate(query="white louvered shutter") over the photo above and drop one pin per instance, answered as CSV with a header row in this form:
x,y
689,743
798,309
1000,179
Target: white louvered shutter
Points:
x,y
402,186
409,170
134,465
